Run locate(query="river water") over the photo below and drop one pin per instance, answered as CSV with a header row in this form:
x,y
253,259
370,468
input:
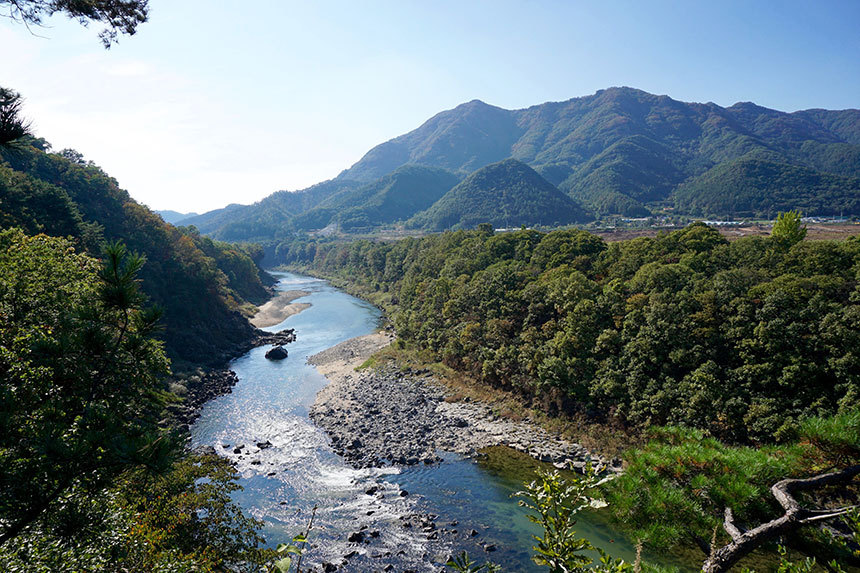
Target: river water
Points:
x,y
282,483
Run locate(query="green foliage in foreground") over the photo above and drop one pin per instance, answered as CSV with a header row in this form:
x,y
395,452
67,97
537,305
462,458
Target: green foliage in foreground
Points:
x,y
555,503
117,17
743,339
88,479
79,367
676,488
179,519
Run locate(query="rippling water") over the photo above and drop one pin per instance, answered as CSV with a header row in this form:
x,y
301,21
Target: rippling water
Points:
x,y
282,483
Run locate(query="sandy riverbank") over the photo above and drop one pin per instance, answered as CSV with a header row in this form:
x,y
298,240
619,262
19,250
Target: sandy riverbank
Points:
x,y
279,308
383,416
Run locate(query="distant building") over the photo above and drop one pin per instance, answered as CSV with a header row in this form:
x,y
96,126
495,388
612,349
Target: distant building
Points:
x,y
723,223
824,219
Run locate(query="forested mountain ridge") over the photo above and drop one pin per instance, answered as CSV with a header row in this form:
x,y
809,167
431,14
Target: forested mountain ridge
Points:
x,y
201,284
504,194
620,151
752,187
464,139
346,203
268,218
623,148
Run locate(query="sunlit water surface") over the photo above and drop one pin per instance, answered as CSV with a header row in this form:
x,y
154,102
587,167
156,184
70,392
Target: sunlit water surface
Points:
x,y
282,483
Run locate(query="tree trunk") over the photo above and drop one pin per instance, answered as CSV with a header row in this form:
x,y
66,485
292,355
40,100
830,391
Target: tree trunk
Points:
x,y
795,517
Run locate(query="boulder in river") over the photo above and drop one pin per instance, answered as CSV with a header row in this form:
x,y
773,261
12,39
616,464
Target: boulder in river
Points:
x,y
355,537
277,353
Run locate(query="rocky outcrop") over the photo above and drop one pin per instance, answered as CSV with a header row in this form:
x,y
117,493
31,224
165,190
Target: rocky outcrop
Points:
x,y
277,353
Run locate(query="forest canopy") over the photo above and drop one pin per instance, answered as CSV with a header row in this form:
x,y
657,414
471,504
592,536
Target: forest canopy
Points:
x,y
743,339
202,284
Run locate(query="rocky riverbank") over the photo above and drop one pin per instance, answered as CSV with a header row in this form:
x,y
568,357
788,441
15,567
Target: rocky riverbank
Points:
x,y
384,416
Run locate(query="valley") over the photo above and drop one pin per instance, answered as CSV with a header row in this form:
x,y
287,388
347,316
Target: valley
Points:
x,y
429,287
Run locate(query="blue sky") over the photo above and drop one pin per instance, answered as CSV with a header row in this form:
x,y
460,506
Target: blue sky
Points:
x,y
217,101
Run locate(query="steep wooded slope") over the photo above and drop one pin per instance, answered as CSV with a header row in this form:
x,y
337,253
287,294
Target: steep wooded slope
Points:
x,y
394,197
200,283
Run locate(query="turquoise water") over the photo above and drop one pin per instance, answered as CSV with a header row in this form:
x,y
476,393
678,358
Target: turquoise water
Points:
x,y
283,483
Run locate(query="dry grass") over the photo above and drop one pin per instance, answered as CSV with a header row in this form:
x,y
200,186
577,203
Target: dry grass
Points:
x,y
815,232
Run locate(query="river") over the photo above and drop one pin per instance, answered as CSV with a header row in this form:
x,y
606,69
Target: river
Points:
x,y
282,483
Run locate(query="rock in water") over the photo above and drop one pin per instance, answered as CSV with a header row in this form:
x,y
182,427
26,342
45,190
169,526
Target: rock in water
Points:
x,y
277,353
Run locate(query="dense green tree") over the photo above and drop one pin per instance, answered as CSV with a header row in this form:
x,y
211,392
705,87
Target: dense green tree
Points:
x,y
685,487
79,366
788,229
179,519
742,339
89,478
13,126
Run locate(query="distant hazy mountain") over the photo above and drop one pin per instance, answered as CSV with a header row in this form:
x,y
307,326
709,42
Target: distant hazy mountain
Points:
x,y
620,151
174,217
267,219
505,194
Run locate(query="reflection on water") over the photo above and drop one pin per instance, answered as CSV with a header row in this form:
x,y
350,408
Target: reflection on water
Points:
x,y
296,470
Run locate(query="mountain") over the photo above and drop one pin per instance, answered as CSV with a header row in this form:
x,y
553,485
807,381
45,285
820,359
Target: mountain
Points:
x,y
269,218
200,284
755,188
461,140
504,194
393,197
620,151
623,151
174,217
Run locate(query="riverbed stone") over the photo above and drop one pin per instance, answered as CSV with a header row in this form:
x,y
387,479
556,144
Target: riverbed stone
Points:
x,y
355,537
277,353
384,416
